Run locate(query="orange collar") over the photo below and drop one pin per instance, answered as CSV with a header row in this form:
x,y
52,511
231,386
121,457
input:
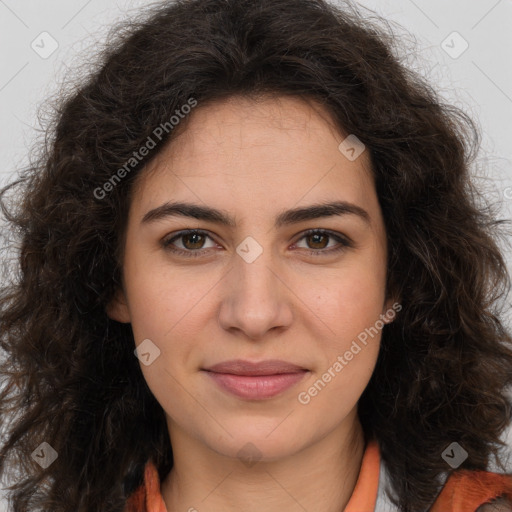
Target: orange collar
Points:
x,y
464,490
148,497
364,496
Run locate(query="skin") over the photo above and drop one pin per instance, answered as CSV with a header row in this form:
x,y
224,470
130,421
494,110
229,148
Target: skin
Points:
x,y
254,160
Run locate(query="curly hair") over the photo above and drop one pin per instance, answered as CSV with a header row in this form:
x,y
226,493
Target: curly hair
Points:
x,y
69,374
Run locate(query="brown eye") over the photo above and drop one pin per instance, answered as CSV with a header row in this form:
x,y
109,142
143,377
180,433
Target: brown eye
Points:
x,y
193,240
192,243
318,240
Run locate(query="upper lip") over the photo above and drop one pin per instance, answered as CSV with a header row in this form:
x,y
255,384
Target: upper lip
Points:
x,y
268,367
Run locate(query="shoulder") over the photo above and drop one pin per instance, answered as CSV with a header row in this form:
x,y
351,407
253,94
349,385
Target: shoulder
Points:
x,y
475,491
497,505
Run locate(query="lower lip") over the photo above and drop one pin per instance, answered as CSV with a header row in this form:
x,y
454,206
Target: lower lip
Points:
x,y
256,387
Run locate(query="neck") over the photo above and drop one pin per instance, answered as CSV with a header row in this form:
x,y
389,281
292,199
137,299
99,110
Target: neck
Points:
x,y
318,478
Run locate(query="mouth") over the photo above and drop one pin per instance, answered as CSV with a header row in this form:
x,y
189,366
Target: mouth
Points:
x,y
250,368
255,381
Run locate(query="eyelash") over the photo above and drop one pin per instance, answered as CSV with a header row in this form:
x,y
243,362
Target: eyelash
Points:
x,y
343,241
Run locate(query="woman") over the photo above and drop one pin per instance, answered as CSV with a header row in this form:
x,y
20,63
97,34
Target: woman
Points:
x,y
254,274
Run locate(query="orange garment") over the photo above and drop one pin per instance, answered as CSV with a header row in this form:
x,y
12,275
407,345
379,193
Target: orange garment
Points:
x,y
464,490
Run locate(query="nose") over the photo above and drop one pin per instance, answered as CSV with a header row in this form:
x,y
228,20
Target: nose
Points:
x,y
255,298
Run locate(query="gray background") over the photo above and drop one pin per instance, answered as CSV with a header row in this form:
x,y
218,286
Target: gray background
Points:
x,y
479,80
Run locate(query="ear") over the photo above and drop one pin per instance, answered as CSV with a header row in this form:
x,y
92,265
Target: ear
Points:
x,y
117,308
392,307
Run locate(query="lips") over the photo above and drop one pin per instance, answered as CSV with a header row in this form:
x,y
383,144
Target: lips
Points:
x,y
268,367
255,381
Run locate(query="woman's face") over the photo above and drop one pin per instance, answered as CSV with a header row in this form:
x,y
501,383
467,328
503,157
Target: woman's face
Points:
x,y
257,287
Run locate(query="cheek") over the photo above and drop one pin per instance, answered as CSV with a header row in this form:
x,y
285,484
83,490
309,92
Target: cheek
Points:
x,y
351,309
349,303
166,309
163,302
171,309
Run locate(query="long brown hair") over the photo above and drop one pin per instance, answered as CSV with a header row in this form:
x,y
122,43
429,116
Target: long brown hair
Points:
x,y
70,375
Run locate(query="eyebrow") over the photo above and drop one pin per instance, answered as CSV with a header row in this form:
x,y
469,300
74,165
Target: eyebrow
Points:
x,y
288,217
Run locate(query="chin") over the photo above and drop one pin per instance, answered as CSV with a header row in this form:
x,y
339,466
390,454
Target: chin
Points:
x,y
253,445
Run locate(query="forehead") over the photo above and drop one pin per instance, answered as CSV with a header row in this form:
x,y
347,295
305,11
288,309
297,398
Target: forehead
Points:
x,y
241,150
